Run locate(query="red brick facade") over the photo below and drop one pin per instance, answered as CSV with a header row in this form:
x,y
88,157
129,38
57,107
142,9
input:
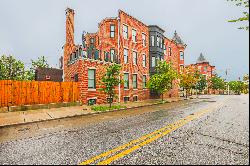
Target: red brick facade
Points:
x,y
204,67
129,41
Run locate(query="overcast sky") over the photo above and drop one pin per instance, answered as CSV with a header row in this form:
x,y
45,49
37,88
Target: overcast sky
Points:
x,y
33,28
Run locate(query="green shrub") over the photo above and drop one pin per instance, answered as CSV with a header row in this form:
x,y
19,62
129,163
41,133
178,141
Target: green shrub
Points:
x,y
106,108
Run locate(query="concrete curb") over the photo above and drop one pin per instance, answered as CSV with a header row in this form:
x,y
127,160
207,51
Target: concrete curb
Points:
x,y
92,113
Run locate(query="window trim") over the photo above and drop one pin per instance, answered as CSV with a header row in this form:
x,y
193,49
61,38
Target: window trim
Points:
x,y
182,55
112,49
92,88
126,55
112,32
134,30
124,25
136,59
126,88
135,80
152,61
152,42
144,84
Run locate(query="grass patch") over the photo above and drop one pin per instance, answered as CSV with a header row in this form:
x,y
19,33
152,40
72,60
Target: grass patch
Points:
x,y
106,108
162,102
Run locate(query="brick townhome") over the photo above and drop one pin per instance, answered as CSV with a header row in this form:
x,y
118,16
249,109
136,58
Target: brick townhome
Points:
x,y
204,67
123,40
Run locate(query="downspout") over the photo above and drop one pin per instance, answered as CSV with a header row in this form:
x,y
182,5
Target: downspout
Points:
x,y
118,52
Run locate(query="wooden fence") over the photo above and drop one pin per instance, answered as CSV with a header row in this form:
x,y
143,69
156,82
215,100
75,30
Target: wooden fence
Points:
x,y
17,93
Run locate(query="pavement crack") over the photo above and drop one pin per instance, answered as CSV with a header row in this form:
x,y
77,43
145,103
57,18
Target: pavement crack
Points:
x,y
224,140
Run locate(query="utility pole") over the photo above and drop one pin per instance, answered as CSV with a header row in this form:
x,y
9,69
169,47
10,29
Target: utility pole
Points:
x,y
228,88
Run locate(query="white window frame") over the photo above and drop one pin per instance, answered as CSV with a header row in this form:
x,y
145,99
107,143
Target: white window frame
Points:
x,y
112,54
125,31
152,40
153,59
112,32
126,88
125,56
94,79
134,35
134,81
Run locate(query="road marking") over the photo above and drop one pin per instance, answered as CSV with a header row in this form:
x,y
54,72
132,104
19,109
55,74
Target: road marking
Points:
x,y
144,140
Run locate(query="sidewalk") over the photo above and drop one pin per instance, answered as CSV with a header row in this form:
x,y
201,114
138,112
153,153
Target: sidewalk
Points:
x,y
23,117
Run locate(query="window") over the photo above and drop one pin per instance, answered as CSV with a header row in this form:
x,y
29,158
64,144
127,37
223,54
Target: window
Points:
x,y
126,81
135,81
135,98
199,68
181,55
125,56
144,40
181,67
112,31
112,55
158,41
76,78
92,41
153,63
144,82
152,40
205,68
91,79
165,49
134,35
161,42
125,32
134,58
91,101
144,60
126,99
170,51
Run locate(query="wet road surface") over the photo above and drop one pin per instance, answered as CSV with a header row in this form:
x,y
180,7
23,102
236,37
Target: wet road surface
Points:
x,y
210,130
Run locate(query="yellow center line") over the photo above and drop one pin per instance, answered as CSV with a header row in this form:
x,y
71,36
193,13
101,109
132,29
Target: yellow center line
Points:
x,y
128,151
146,139
89,161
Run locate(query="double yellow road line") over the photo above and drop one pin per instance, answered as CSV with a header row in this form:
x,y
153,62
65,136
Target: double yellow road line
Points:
x,y
123,150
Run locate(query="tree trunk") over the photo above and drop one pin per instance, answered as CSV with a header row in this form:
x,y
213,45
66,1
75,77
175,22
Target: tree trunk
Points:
x,y
162,97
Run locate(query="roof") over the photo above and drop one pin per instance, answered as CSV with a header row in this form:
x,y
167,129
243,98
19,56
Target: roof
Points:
x,y
156,26
201,59
48,74
177,39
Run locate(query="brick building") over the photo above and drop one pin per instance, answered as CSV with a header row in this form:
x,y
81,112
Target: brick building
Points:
x,y
48,74
124,40
204,67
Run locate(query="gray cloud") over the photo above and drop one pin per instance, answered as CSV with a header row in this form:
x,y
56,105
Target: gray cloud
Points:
x,y
29,29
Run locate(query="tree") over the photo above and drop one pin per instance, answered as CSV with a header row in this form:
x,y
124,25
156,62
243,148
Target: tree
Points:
x,y
110,80
202,83
40,62
11,69
217,83
188,80
236,86
245,17
163,79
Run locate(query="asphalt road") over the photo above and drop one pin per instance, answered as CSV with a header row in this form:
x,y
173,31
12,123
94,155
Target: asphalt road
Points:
x,y
211,130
